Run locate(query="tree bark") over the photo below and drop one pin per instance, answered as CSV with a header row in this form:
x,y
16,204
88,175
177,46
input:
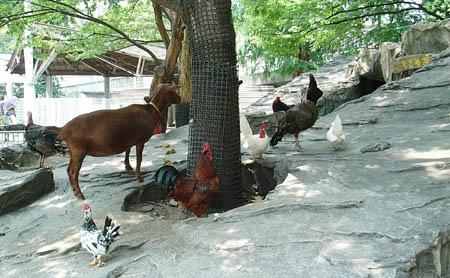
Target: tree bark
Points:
x,y
214,103
164,72
215,84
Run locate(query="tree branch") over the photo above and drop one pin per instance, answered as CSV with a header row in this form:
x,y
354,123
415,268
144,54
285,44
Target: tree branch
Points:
x,y
160,24
369,15
418,7
83,16
421,7
173,5
366,7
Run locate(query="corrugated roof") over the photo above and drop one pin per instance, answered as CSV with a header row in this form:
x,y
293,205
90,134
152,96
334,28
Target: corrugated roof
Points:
x,y
129,61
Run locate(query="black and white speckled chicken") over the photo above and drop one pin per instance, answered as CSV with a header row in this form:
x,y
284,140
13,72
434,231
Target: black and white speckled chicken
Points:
x,y
44,142
97,241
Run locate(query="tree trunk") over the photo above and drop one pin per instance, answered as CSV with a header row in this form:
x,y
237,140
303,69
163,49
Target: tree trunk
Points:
x,y
215,104
164,72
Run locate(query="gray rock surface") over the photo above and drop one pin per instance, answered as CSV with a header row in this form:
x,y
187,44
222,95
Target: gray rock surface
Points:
x,y
426,37
367,65
337,214
332,79
16,156
20,190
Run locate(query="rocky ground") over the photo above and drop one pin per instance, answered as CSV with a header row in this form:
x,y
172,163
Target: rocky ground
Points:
x,y
382,213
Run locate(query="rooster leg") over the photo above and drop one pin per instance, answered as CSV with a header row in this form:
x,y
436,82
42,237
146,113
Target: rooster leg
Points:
x,y
297,145
41,161
93,263
100,263
127,161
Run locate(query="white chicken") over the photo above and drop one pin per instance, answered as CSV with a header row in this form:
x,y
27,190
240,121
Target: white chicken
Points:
x,y
97,241
254,144
336,135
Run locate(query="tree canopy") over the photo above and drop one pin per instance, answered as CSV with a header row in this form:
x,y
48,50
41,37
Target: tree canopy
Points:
x,y
82,28
283,36
274,36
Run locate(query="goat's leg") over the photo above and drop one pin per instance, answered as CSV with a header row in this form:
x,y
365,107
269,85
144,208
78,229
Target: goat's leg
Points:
x,y
76,159
139,149
127,161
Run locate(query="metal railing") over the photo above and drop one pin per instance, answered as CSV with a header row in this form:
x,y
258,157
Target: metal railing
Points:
x,y
11,137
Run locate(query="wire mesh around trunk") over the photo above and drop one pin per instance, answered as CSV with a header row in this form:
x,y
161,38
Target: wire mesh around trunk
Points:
x,y
214,104
181,114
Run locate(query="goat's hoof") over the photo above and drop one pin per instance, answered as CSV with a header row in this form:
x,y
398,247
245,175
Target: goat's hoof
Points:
x,y
80,196
140,179
128,168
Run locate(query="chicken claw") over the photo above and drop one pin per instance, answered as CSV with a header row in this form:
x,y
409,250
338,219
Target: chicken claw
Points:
x,y
93,263
100,264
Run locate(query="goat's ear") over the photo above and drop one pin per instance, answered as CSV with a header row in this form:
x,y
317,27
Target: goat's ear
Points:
x,y
176,87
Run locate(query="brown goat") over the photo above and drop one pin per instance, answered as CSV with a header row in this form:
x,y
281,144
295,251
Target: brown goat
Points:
x,y
108,132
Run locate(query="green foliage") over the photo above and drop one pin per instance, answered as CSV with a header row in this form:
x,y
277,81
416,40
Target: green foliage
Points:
x,y
6,42
82,28
40,88
271,32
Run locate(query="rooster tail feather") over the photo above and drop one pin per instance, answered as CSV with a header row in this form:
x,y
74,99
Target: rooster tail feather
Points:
x,y
276,138
244,126
111,229
166,177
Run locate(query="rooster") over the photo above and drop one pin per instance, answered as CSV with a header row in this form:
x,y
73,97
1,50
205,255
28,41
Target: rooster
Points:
x,y
278,105
298,118
97,241
44,142
192,193
254,144
314,93
336,135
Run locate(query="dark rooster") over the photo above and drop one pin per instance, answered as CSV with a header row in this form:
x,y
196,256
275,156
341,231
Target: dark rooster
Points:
x,y
192,193
45,143
278,105
314,93
298,118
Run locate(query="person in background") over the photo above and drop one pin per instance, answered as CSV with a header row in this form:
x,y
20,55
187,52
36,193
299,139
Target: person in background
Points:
x,y
8,110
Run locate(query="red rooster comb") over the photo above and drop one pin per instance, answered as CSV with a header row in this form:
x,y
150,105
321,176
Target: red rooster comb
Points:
x,y
86,207
206,147
277,98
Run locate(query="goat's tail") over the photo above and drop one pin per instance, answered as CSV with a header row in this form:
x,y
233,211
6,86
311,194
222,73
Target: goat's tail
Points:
x,y
52,127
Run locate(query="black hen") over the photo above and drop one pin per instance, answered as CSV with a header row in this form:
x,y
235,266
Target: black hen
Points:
x,y
314,93
298,118
44,142
278,105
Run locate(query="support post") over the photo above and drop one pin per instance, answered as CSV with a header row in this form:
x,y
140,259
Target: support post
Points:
x,y
28,86
49,86
107,87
